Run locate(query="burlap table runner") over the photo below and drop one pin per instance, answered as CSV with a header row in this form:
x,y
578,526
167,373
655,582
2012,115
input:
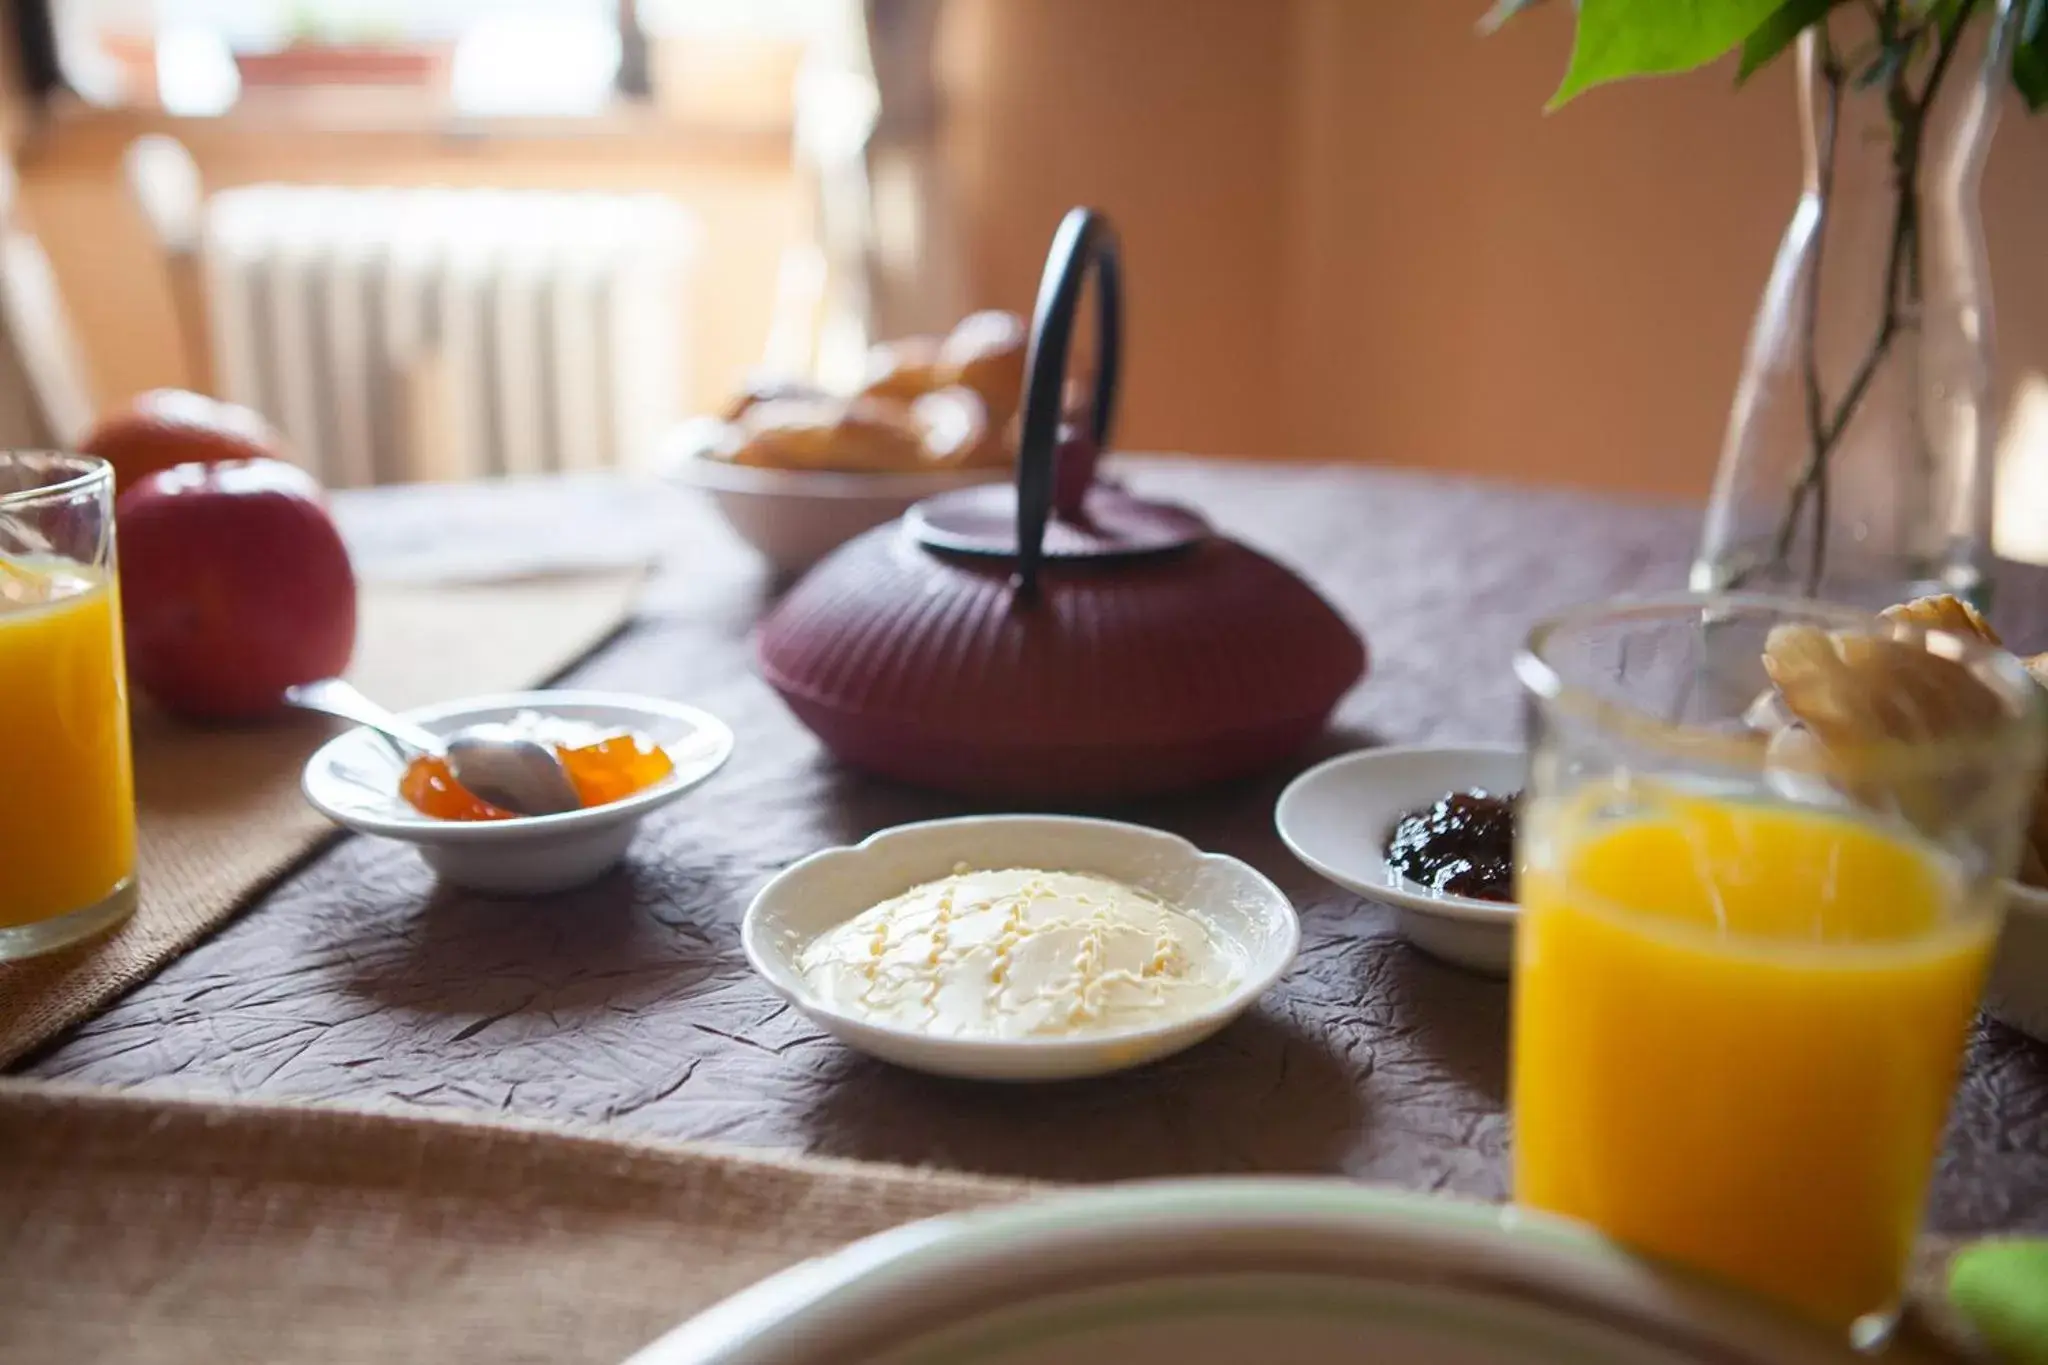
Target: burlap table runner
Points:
x,y
221,814
204,1231
179,1232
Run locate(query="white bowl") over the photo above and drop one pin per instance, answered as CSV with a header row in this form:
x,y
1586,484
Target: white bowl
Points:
x,y
1336,817
1239,1272
1232,899
795,517
353,780
2017,993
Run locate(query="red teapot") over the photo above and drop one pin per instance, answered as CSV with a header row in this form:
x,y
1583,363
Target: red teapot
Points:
x,y
991,644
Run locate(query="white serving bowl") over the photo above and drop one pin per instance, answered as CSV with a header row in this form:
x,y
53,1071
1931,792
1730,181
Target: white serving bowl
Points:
x,y
353,781
1239,1272
1231,898
1336,817
795,517
2017,993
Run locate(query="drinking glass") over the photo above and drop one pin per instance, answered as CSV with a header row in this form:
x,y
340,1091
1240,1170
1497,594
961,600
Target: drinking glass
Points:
x,y
1755,920
67,788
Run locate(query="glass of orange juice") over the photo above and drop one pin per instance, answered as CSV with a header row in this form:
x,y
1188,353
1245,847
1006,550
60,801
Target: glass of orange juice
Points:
x,y
67,790
1752,937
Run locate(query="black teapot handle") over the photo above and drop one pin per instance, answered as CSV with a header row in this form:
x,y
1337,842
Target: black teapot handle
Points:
x,y
1085,238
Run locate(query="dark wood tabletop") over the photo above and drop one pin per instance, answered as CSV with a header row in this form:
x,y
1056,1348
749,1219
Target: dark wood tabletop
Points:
x,y
629,1004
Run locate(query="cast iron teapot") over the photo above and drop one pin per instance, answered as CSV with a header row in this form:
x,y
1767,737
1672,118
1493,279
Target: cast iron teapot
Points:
x,y
984,645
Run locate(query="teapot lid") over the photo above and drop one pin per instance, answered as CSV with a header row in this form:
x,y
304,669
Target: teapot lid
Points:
x,y
1091,523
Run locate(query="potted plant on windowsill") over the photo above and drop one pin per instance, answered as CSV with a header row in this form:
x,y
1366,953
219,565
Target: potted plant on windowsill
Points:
x,y
1857,462
321,51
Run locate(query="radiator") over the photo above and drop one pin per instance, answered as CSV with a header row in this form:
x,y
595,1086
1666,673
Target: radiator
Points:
x,y
408,334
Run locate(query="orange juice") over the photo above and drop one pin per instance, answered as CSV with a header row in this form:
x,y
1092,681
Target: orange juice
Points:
x,y
67,797
1736,1032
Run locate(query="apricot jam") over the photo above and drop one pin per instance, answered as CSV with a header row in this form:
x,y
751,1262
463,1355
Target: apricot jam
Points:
x,y
613,769
604,771
429,787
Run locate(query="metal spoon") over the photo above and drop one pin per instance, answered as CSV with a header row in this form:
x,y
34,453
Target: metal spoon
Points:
x,y
511,772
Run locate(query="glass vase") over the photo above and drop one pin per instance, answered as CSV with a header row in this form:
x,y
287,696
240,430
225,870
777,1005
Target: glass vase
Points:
x,y
1857,464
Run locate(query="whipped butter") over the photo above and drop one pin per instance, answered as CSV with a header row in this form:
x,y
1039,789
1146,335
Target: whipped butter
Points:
x,y
1021,953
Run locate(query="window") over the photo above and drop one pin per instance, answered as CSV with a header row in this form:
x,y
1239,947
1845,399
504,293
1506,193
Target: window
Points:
x,y
721,61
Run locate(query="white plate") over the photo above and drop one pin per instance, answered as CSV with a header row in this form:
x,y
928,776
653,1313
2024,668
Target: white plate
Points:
x,y
1237,1272
2017,992
353,781
1336,816
795,517
1231,898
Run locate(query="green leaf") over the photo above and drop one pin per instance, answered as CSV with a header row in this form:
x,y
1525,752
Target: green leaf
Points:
x,y
2030,55
1777,32
1618,39
2001,1289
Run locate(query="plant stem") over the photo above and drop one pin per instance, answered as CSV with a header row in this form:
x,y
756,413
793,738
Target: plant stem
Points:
x,y
1832,75
1902,283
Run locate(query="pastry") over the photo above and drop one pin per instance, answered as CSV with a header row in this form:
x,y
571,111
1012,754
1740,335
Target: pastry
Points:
x,y
953,424
904,371
1943,612
1854,690
879,436
1849,691
768,390
784,433
926,404
863,436
986,353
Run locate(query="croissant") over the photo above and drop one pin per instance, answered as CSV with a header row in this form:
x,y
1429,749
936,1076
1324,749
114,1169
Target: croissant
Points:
x,y
928,403
985,352
906,370
865,435
1848,690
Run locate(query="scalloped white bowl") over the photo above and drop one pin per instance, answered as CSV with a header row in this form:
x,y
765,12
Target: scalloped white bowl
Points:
x,y
1233,899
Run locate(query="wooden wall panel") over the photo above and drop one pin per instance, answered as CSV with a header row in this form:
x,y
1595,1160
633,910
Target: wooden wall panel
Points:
x,y
1356,236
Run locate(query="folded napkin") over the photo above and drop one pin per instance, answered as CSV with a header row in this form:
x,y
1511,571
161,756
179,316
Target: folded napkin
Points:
x,y
2000,1288
522,530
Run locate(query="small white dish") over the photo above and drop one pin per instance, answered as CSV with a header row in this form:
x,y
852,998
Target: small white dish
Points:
x,y
2017,993
1232,899
795,517
1336,817
1239,1272
353,780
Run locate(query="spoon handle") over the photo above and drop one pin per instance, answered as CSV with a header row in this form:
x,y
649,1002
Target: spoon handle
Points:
x,y
332,696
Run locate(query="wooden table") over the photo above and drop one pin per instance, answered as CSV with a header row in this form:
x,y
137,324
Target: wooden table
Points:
x,y
629,1003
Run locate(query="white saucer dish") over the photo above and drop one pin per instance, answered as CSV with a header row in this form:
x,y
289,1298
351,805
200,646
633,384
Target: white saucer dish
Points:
x,y
1232,899
795,517
353,781
1336,817
2017,993
1238,1272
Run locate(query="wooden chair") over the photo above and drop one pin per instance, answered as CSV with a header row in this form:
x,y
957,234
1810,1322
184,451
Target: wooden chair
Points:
x,y
45,395
164,182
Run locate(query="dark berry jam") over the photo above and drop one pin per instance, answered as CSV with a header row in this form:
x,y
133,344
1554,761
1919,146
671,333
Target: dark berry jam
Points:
x,y
1464,845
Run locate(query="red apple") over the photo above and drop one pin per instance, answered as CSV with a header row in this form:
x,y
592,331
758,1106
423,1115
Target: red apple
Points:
x,y
234,586
167,427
